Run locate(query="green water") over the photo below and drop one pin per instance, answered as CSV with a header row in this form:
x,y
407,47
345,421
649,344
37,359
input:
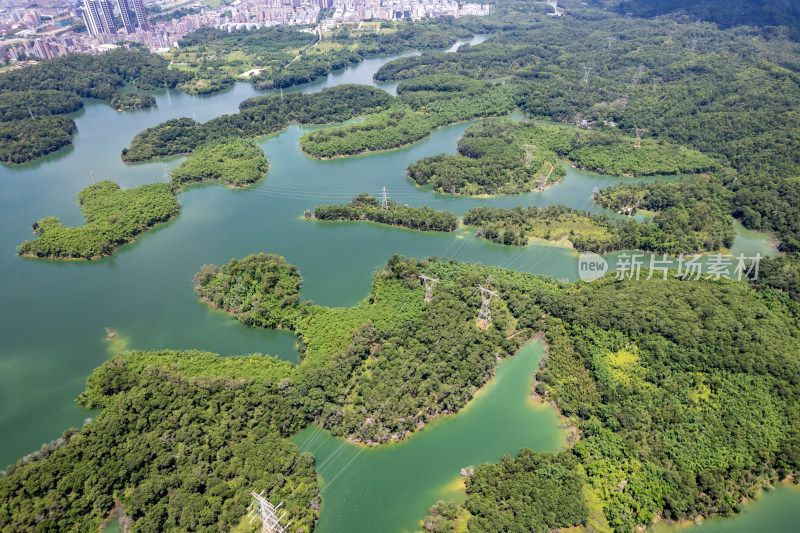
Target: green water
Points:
x,y
776,510
391,487
53,314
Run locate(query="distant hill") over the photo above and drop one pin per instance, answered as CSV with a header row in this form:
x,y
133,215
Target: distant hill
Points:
x,y
726,13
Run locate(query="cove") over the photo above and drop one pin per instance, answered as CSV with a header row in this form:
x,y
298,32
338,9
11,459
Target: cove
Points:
x,y
390,487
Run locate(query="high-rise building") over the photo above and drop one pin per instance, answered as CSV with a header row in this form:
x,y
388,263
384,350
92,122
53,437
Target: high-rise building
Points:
x,y
99,16
125,13
107,16
91,17
141,15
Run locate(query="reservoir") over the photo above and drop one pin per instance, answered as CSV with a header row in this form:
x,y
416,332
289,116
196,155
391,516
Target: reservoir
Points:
x,y
53,314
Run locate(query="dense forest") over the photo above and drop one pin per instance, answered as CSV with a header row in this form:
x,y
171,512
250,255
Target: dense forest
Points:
x,y
377,371
257,116
496,157
113,217
654,375
690,228
266,294
367,207
28,138
171,448
676,414
531,492
728,93
684,395
628,198
235,162
56,86
402,124
18,105
504,157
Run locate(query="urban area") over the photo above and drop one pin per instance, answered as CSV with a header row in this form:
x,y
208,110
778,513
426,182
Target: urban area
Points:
x,y
43,29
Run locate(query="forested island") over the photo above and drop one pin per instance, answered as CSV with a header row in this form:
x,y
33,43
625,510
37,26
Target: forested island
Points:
x,y
654,401
367,207
257,116
695,228
496,157
129,101
113,217
235,162
698,228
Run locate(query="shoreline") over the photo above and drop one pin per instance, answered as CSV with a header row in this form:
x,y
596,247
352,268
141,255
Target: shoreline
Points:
x,y
439,415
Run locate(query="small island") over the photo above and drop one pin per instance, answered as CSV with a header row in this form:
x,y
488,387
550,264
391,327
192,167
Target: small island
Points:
x,y
235,162
695,227
113,217
367,207
130,101
496,157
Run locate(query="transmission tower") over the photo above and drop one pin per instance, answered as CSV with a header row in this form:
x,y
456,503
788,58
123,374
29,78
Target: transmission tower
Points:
x,y
638,74
93,180
655,82
485,314
586,71
610,41
578,118
672,32
628,17
266,512
639,131
693,46
529,148
384,200
429,282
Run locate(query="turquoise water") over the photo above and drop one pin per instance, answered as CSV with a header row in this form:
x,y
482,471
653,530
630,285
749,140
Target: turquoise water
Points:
x,y
53,314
